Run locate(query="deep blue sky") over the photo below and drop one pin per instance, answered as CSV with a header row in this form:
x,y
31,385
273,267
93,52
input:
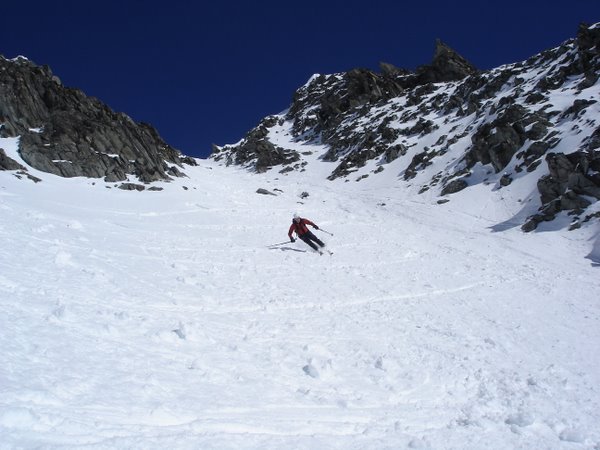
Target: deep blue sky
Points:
x,y
207,72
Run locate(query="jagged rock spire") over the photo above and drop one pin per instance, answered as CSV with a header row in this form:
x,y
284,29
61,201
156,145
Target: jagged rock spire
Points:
x,y
447,65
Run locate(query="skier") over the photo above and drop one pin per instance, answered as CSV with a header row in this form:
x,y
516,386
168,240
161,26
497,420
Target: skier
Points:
x,y
299,225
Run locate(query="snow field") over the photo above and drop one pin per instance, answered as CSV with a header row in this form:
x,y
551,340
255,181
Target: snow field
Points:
x,y
160,319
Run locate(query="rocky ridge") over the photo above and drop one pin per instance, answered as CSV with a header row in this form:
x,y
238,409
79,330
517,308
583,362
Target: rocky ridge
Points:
x,y
64,132
537,118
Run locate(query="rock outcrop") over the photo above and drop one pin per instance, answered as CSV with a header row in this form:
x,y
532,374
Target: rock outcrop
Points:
x,y
320,111
64,132
447,65
7,163
537,118
256,148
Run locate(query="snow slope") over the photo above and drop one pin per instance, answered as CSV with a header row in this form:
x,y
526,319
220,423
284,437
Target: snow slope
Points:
x,y
164,320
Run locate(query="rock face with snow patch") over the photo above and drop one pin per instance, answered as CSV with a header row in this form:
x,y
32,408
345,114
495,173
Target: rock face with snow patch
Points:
x,y
448,126
7,163
64,132
258,149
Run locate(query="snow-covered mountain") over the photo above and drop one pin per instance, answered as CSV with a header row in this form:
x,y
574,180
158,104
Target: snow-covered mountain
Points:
x,y
448,127
183,317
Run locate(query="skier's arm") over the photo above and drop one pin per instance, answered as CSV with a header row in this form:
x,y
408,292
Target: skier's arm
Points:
x,y
290,232
308,222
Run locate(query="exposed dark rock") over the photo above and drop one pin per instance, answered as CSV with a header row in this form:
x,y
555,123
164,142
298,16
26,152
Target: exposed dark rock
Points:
x,y
447,65
548,188
257,150
264,192
131,187
389,70
536,97
66,133
388,134
538,131
555,184
584,184
422,127
590,79
535,151
588,44
29,176
578,106
419,162
531,156
357,88
496,143
392,153
175,172
7,163
531,223
352,162
570,177
506,180
593,141
455,186
577,224
188,160
560,166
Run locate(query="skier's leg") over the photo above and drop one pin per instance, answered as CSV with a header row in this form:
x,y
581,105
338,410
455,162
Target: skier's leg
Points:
x,y
306,239
312,237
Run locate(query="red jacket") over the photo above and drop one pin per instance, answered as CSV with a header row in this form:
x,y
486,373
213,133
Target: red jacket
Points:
x,y
301,227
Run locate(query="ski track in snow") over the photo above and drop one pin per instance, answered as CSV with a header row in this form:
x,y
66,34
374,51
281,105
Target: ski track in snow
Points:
x,y
163,319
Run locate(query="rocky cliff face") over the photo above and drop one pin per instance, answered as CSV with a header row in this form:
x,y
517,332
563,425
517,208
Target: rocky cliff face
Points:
x,y
64,132
446,123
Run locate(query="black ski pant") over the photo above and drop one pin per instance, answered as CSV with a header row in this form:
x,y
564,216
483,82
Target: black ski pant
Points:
x,y
310,239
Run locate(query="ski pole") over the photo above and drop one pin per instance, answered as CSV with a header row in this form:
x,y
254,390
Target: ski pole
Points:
x,y
280,243
325,231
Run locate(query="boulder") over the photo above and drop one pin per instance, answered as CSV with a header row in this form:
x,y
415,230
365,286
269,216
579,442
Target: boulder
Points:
x,y
264,192
455,186
132,187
